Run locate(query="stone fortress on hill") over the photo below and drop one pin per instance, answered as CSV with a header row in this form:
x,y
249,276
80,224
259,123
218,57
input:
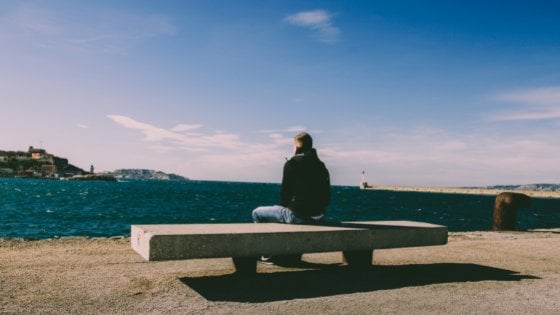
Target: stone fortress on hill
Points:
x,y
36,163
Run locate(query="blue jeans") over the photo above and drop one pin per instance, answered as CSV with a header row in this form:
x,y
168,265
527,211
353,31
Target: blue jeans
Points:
x,y
279,214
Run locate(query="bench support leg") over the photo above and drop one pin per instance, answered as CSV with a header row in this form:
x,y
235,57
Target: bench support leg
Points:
x,y
358,259
245,265
289,260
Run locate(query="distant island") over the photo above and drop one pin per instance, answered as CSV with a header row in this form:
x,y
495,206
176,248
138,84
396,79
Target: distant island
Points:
x,y
145,175
38,163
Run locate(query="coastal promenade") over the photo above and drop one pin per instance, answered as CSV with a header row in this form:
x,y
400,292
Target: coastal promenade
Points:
x,y
461,190
475,273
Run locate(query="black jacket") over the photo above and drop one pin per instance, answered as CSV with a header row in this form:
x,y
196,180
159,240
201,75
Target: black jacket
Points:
x,y
305,185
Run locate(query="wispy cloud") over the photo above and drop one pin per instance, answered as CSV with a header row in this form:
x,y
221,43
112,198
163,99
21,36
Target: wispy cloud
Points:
x,y
218,154
185,127
419,156
319,21
536,104
176,135
430,156
291,129
120,32
99,32
217,143
34,19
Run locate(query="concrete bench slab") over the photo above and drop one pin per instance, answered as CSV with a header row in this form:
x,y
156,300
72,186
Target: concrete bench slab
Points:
x,y
249,240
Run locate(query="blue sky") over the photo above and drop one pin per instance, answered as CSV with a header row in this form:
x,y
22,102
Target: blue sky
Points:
x,y
440,93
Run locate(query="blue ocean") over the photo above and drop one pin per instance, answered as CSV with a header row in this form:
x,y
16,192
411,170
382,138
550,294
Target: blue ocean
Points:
x,y
37,209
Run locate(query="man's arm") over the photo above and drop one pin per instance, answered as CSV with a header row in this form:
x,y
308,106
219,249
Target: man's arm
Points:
x,y
286,191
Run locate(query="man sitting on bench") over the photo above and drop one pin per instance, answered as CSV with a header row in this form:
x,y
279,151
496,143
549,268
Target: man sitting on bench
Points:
x,y
305,191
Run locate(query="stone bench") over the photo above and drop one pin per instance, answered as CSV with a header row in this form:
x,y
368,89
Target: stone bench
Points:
x,y
245,242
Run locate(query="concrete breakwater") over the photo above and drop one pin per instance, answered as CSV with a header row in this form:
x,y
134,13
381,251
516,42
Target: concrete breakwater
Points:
x,y
461,190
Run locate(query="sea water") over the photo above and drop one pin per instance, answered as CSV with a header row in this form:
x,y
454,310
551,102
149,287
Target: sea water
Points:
x,y
32,208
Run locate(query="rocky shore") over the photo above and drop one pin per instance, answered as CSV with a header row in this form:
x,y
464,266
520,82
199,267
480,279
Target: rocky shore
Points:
x,y
477,272
96,177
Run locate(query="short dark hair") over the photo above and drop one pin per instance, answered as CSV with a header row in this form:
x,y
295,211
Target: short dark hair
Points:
x,y
305,140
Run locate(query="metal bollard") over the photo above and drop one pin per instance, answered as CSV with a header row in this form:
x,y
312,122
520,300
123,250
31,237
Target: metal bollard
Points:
x,y
505,209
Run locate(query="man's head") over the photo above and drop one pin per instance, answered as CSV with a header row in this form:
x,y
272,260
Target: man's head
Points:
x,y
303,142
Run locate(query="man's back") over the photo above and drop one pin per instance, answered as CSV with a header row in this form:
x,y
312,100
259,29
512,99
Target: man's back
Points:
x,y
305,185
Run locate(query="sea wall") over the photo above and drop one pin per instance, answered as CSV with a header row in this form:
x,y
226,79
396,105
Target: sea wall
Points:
x,y
471,191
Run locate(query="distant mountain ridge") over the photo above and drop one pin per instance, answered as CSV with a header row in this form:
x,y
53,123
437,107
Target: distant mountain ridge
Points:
x,y
145,174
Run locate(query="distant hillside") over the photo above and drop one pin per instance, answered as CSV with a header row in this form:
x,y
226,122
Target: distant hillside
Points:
x,y
145,174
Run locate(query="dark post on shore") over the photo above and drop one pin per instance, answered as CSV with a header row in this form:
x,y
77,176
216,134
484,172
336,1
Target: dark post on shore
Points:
x,y
505,209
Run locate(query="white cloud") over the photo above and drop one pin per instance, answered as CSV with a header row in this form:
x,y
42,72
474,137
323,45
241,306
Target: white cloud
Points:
x,y
537,104
319,21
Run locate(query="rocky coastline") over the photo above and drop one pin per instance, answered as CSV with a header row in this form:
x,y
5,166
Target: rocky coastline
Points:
x,y
100,177
39,164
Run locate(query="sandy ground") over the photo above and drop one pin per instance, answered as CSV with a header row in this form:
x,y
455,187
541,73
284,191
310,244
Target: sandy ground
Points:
x,y
476,273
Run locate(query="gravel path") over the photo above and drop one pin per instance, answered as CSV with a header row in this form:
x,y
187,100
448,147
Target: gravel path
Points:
x,y
477,272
